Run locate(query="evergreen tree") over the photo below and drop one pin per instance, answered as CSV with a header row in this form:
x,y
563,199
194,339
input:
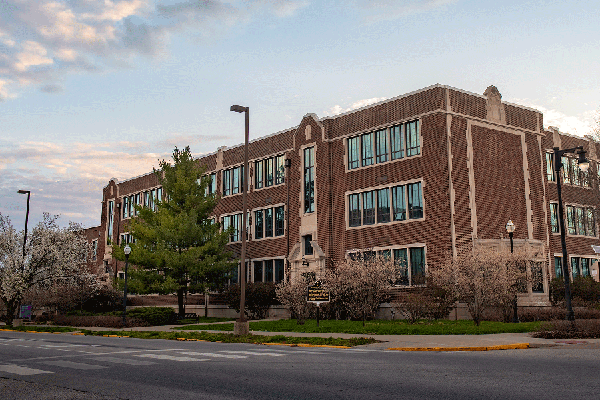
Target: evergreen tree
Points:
x,y
175,241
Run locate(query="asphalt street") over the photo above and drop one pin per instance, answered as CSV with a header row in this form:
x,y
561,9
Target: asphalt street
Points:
x,y
50,366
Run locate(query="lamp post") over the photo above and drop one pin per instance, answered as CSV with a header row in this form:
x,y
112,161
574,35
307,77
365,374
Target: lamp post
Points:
x,y
583,165
288,164
127,251
241,325
28,193
510,228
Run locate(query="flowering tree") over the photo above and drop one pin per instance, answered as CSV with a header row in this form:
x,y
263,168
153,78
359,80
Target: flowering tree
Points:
x,y
292,295
484,278
52,254
360,285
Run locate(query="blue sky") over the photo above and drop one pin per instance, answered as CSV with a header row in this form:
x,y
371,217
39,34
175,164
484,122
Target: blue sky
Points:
x,y
91,90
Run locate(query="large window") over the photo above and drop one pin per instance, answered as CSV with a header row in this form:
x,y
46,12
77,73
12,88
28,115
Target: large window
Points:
x,y
271,270
269,172
572,175
391,143
234,221
550,175
385,205
409,262
554,217
111,207
558,272
269,222
211,187
309,180
580,266
233,180
581,221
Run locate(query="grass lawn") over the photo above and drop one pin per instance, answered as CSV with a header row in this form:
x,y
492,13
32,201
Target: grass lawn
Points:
x,y
381,327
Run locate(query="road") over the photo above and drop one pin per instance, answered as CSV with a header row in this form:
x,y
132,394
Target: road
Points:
x,y
50,366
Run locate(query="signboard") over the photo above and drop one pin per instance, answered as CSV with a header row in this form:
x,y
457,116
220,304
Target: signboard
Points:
x,y
317,294
25,312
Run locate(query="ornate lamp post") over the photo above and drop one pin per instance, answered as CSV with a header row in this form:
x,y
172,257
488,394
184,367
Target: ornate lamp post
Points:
x,y
127,251
241,325
510,228
583,165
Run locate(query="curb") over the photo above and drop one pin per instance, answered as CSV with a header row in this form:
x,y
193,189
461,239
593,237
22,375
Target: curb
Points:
x,y
468,348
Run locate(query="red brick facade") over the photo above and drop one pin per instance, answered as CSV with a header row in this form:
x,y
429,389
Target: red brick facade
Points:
x,y
480,162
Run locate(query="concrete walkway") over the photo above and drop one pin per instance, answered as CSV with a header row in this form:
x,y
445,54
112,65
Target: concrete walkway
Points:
x,y
408,342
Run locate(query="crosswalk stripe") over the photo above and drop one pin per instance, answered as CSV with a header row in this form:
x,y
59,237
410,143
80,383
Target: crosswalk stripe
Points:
x,y
71,364
171,358
16,369
193,353
124,361
254,353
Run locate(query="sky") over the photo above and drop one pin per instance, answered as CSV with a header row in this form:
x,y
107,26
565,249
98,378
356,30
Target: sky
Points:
x,y
92,90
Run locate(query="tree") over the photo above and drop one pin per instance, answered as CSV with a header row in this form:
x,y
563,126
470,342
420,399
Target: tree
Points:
x,y
53,255
484,278
292,295
360,286
176,241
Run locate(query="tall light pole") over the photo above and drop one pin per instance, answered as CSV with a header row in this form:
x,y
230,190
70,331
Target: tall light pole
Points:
x,y
583,165
28,193
288,164
241,325
127,251
510,228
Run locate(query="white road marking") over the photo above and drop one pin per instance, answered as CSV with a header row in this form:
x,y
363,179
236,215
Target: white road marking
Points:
x,y
193,353
16,369
254,353
171,358
124,361
71,364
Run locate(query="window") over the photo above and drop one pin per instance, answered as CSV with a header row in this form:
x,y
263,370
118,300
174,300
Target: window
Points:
x,y
354,208
309,180
270,270
581,221
572,174
258,174
415,200
308,249
383,205
558,272
367,149
131,208
127,238
388,144
580,266
258,271
554,217
125,207
368,208
233,180
279,221
211,187
234,221
269,222
269,172
550,175
138,201
353,152
268,267
279,270
279,170
537,277
111,205
381,148
409,262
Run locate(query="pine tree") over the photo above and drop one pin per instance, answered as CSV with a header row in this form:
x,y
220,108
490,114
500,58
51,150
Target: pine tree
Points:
x,y
176,242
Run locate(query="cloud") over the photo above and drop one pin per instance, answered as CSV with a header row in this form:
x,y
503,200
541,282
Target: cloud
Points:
x,y
67,179
388,10
337,109
580,124
41,41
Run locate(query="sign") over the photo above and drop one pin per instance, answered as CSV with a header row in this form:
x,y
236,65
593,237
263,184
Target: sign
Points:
x,y
317,294
25,312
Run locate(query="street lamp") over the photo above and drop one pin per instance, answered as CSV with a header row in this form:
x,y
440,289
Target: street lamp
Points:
x,y
127,251
510,228
584,164
241,325
28,193
288,164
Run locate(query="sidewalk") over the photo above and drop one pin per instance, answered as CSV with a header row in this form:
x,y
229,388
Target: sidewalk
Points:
x,y
406,342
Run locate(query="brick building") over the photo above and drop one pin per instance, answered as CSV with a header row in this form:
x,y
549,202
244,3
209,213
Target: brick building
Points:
x,y
416,177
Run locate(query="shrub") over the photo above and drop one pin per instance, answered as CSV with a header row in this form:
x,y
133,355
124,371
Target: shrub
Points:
x,y
432,303
259,297
108,321
561,329
154,315
293,297
584,290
